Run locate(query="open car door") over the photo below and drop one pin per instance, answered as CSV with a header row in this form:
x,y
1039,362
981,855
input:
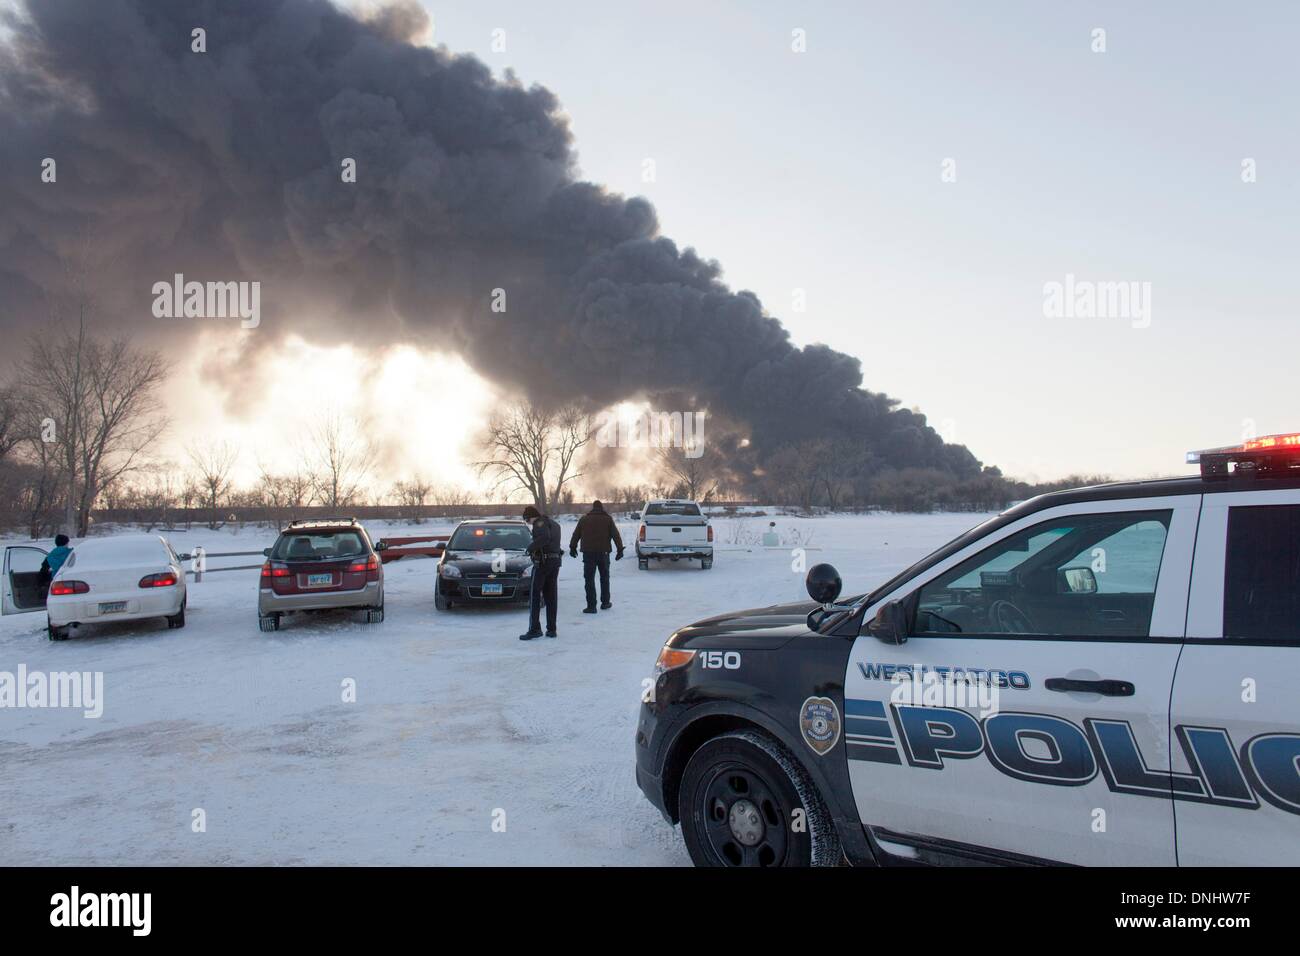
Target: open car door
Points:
x,y
24,587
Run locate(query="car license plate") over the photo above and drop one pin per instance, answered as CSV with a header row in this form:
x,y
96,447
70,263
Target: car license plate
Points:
x,y
109,607
492,588
319,580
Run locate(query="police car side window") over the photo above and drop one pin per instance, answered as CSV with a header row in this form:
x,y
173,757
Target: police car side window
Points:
x,y
1261,590
1090,575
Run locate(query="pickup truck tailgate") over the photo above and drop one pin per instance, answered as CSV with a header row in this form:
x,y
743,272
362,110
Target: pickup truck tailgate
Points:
x,y
681,531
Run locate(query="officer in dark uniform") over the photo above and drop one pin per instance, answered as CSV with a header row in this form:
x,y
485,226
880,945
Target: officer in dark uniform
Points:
x,y
546,552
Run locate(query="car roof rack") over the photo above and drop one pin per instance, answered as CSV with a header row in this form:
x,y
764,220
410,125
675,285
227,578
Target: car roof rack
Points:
x,y
1273,456
321,522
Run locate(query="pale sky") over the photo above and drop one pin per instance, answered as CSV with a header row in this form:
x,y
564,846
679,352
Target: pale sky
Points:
x,y
821,171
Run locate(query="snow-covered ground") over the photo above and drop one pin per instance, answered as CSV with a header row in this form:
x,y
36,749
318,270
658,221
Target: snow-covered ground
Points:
x,y
456,723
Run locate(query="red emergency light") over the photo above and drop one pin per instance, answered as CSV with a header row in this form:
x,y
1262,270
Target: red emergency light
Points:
x,y
1269,456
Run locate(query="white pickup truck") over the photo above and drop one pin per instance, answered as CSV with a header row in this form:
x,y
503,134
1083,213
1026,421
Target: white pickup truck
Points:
x,y
675,529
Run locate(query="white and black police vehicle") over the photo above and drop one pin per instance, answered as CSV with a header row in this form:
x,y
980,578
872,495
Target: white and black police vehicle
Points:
x,y
1102,676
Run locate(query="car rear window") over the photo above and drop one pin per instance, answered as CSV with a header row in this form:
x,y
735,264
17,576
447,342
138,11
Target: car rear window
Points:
x,y
115,553
317,545
1261,592
673,508
489,538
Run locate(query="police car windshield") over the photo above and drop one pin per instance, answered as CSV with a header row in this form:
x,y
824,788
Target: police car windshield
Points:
x,y
489,538
672,508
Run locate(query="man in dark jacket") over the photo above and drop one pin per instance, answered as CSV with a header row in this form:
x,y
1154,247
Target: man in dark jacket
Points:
x,y
546,550
596,529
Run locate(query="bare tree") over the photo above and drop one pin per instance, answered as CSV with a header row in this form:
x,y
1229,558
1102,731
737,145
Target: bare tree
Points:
x,y
634,496
413,495
44,482
839,468
449,496
284,494
57,378
689,469
123,420
189,496
151,495
11,420
157,497
789,477
533,449
341,461
213,464
98,400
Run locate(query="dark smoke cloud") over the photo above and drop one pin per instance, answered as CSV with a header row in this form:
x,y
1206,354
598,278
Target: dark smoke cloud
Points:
x,y
225,165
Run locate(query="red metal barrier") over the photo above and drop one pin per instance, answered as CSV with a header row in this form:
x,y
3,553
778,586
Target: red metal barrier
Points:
x,y
394,549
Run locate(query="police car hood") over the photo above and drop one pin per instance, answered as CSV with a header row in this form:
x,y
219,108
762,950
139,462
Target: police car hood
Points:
x,y
476,562
761,627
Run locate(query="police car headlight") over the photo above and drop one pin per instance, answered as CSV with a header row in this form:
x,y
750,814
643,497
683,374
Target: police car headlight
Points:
x,y
527,572
670,658
450,571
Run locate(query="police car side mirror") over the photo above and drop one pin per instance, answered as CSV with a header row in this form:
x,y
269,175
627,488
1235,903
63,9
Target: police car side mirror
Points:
x,y
890,623
1076,581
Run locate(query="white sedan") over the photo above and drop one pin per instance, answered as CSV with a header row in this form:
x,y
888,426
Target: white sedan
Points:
x,y
121,578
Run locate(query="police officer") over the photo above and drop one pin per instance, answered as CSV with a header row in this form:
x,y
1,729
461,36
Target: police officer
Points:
x,y
596,530
546,552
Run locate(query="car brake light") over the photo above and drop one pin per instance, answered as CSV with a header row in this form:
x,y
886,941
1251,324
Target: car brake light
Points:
x,y
710,534
164,580
640,535
69,587
369,564
270,570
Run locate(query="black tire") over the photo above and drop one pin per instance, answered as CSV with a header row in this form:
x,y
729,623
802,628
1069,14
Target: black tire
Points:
x,y
441,601
738,804
268,622
642,564
706,563
374,615
177,620
56,633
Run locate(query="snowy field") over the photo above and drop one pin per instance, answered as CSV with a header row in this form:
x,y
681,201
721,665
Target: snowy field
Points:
x,y
455,720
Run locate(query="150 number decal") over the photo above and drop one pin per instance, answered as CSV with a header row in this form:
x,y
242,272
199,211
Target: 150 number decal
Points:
x,y
720,660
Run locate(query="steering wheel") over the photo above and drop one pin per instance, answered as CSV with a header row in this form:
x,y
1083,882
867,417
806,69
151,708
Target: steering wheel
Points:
x,y
1009,618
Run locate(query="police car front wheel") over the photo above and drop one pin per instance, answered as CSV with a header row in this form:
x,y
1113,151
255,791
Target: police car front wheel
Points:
x,y
744,801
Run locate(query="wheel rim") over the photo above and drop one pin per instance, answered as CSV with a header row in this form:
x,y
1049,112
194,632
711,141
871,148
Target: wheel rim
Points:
x,y
744,820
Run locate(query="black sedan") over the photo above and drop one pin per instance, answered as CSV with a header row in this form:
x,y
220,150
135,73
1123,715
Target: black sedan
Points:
x,y
486,562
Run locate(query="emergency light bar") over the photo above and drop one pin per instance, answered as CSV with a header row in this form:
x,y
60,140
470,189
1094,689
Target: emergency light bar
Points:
x,y
1271,455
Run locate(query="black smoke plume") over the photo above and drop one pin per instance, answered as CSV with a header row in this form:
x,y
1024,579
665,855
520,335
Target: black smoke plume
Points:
x,y
225,165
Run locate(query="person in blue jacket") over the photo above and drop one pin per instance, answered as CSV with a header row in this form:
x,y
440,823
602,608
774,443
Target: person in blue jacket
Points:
x,y
54,560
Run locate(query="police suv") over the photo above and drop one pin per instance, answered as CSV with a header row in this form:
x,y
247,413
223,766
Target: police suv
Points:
x,y
1100,676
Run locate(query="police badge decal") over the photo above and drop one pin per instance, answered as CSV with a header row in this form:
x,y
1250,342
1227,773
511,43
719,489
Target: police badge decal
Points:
x,y
819,719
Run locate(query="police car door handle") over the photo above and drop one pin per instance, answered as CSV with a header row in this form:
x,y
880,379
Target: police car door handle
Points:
x,y
1110,688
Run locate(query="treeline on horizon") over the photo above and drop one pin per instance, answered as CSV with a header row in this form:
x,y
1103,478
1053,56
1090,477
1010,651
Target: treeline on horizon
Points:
x,y
81,417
